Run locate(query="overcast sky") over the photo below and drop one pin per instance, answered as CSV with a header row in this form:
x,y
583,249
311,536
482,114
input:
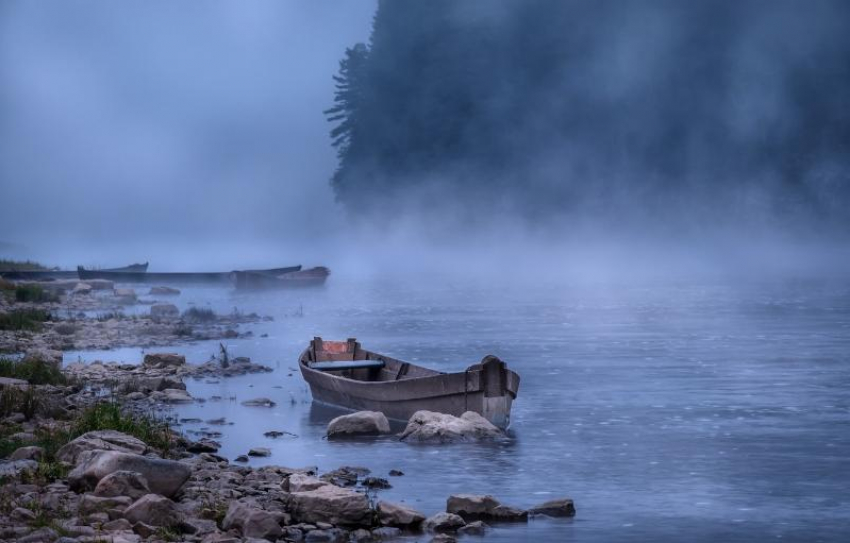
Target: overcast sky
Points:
x,y
124,124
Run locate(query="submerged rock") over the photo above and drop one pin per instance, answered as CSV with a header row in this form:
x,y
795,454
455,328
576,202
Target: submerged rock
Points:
x,y
562,507
259,402
443,522
260,451
360,423
428,426
475,506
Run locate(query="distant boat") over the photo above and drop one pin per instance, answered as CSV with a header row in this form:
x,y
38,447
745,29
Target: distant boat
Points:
x,y
170,277
342,374
59,274
258,280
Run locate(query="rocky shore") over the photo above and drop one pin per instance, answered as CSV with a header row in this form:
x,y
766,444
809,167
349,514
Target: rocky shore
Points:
x,y
89,315
109,485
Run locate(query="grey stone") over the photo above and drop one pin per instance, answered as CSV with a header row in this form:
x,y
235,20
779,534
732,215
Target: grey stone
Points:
x,y
163,360
123,483
154,510
331,504
443,522
562,507
103,440
163,476
431,427
474,528
394,514
259,402
360,423
251,521
27,453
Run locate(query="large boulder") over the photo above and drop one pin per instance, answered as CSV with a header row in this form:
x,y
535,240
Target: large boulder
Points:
x,y
360,423
164,311
123,483
443,522
483,507
394,514
163,360
101,440
251,522
154,510
331,504
562,507
164,477
428,426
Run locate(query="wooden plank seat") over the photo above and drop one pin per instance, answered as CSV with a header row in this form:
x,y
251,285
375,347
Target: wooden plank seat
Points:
x,y
346,365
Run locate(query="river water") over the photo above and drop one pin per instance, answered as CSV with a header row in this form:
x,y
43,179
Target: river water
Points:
x,y
684,412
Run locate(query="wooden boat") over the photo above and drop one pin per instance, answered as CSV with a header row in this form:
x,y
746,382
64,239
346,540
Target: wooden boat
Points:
x,y
342,374
253,280
170,277
42,275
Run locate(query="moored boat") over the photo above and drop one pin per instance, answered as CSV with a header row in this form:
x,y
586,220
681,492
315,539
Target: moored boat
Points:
x,y
343,374
255,280
170,277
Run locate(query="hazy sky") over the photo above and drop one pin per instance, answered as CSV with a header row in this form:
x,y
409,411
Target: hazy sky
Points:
x,y
200,122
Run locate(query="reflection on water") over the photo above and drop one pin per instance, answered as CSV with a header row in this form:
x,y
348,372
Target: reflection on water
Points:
x,y
695,412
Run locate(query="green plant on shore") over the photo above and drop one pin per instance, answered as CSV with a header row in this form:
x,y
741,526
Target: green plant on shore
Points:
x,y
110,315
36,372
34,293
25,400
6,285
21,265
199,314
24,319
110,416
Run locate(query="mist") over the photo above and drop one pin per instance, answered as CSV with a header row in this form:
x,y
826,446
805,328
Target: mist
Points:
x,y
614,138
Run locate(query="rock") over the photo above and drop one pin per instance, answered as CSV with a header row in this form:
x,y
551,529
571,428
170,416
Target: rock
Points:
x,y
327,535
90,503
118,524
27,453
259,402
172,395
164,311
360,423
241,458
443,538
394,514
203,445
163,291
376,482
386,532
260,451
330,503
251,521
427,426
396,473
123,483
300,482
473,528
100,284
21,514
125,295
15,468
345,476
48,356
154,510
164,477
102,440
474,507
563,507
163,360
82,289
443,522
159,383
42,535
360,535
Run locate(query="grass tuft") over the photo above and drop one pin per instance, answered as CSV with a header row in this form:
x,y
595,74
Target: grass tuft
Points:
x,y
34,293
36,372
21,265
24,319
199,314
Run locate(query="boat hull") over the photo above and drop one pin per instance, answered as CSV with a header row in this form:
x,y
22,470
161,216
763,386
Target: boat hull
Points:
x,y
253,280
169,277
488,388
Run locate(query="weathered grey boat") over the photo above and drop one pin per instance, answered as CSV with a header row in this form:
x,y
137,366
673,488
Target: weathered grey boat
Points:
x,y
343,374
260,280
